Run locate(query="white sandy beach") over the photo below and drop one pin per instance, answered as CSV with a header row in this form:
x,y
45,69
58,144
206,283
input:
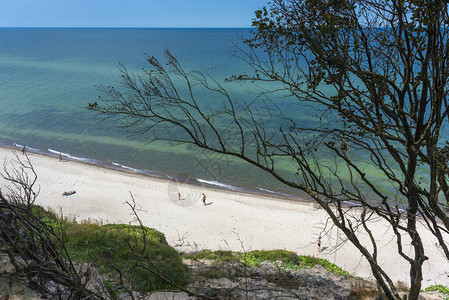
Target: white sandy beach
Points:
x,y
229,221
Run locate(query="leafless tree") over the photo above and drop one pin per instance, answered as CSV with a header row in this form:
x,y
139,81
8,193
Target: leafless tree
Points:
x,y
35,249
375,74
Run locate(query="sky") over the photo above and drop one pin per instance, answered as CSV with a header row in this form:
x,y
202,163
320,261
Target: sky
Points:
x,y
128,13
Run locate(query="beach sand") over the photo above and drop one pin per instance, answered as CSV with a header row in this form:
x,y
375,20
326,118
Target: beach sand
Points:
x,y
230,221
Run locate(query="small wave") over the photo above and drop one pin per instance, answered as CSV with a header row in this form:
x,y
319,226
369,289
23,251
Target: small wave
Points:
x,y
273,192
71,156
139,171
126,167
31,149
26,147
351,203
212,182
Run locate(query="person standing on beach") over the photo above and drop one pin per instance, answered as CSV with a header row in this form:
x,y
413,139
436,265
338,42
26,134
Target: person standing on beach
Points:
x,y
60,157
319,244
204,199
23,150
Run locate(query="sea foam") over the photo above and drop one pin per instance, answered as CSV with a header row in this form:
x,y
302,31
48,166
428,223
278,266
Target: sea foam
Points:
x,y
216,183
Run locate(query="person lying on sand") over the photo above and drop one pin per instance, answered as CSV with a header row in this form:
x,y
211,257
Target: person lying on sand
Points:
x,y
68,193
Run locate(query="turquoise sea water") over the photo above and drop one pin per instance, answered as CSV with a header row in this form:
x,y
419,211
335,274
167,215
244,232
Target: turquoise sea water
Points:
x,y
48,76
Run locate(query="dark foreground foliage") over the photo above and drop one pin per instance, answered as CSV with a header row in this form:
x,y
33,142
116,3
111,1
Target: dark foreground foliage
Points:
x,y
62,259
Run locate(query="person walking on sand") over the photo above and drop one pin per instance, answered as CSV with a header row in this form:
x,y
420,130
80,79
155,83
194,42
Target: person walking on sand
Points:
x,y
60,157
204,199
23,150
319,244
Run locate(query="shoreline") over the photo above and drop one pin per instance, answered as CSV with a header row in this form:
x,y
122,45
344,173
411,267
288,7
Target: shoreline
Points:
x,y
232,220
110,165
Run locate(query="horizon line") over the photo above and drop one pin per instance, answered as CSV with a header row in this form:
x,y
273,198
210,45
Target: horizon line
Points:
x,y
105,27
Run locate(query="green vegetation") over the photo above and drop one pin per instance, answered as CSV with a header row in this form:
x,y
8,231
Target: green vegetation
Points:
x,y
138,231
440,288
138,251
122,247
310,261
290,260
219,255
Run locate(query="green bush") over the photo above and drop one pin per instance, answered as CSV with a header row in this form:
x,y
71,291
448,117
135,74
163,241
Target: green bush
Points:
x,y
57,224
219,255
137,231
120,246
311,261
289,259
439,287
249,259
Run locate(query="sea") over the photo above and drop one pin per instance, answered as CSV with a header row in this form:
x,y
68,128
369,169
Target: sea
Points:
x,y
48,76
